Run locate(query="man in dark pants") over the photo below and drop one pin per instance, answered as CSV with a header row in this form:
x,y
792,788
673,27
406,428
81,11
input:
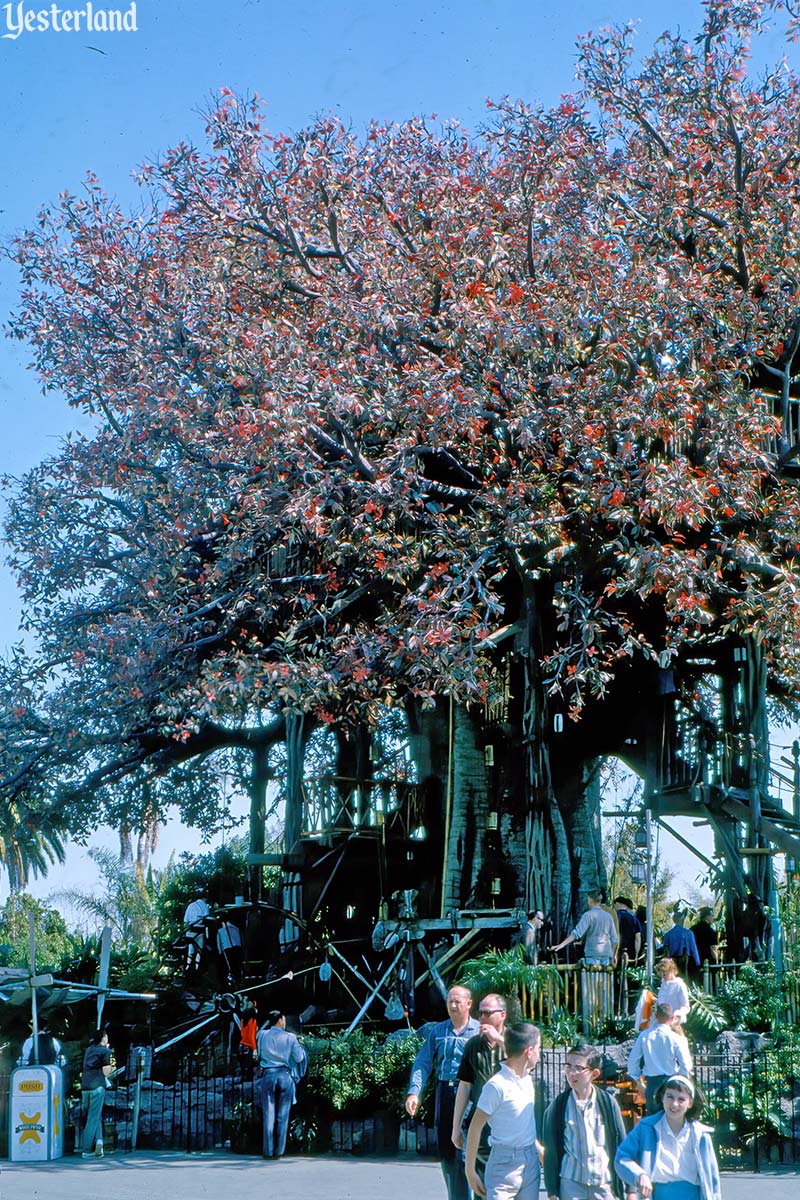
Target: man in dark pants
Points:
x,y
441,1051
630,931
482,1057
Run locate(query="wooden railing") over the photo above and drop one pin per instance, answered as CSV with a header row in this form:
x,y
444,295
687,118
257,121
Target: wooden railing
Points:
x,y
595,994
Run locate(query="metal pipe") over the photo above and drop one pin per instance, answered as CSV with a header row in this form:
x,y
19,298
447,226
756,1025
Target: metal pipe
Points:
x,y
137,1095
648,879
357,1018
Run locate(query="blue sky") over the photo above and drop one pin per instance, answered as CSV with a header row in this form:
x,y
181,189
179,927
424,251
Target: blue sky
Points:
x,y
75,102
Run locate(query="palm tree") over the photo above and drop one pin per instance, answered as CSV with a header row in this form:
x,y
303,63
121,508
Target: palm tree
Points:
x,y
128,903
29,844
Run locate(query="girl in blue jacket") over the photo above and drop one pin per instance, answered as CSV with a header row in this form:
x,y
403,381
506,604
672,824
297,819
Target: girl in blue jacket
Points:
x,y
670,1155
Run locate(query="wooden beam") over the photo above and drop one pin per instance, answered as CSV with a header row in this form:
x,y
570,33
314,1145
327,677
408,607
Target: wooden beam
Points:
x,y
787,841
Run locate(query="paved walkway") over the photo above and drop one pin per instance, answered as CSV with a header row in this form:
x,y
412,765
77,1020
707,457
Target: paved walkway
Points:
x,y
170,1176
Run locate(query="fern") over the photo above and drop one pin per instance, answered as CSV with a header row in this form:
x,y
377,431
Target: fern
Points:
x,y
510,974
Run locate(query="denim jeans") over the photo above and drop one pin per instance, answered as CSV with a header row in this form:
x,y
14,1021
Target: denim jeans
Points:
x,y
92,1114
277,1093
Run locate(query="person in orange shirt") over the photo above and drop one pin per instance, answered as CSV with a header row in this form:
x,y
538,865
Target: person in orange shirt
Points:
x,y
248,1028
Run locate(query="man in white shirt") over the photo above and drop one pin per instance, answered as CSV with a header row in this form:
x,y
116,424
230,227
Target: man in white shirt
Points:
x,y
194,920
48,1050
657,1054
507,1104
229,948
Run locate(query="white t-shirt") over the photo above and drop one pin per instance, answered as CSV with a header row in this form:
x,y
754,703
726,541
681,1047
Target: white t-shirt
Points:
x,y
507,1100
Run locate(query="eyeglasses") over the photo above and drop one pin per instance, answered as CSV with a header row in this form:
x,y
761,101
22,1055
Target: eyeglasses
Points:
x,y
487,1012
571,1069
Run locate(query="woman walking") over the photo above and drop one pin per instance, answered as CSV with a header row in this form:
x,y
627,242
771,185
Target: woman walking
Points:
x,y
670,1155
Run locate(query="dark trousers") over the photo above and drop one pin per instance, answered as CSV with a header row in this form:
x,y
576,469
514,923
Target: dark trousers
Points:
x,y
277,1093
651,1085
450,1159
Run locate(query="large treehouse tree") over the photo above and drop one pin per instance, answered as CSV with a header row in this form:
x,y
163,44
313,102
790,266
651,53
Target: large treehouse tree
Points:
x,y
495,435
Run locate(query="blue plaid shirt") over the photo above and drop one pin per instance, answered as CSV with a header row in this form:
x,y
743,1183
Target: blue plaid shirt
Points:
x,y
442,1050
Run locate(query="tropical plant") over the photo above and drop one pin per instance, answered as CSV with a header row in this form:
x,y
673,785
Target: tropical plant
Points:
x,y
31,841
562,1029
754,998
510,974
613,1028
131,967
756,1100
127,899
707,1016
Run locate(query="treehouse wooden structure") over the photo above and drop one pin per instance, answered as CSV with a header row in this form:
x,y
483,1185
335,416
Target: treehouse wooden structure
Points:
x,y
443,816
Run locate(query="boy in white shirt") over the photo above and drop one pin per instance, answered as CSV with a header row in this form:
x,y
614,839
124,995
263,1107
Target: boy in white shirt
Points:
x,y
506,1102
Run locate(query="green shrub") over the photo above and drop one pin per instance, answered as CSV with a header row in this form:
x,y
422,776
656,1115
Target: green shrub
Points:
x,y
562,1029
754,999
356,1075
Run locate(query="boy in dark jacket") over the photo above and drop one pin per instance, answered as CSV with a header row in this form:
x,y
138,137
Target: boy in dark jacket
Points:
x,y
582,1130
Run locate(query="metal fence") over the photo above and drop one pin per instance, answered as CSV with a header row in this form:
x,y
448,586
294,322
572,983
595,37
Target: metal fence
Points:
x,y
203,1102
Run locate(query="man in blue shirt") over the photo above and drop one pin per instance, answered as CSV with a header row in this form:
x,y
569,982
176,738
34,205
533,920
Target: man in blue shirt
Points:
x,y
679,941
441,1051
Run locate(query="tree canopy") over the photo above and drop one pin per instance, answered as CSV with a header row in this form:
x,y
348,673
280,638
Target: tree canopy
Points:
x,y
357,398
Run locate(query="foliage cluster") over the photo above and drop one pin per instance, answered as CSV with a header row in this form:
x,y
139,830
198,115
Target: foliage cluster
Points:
x,y
352,399
54,942
756,999
508,973
756,1100
357,1075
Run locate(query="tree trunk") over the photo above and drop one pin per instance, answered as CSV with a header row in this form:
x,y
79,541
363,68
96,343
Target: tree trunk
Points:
x,y
465,809
353,773
257,789
546,847
295,754
578,787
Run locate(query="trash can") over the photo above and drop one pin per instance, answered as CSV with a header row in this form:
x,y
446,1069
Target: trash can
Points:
x,y
36,1114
